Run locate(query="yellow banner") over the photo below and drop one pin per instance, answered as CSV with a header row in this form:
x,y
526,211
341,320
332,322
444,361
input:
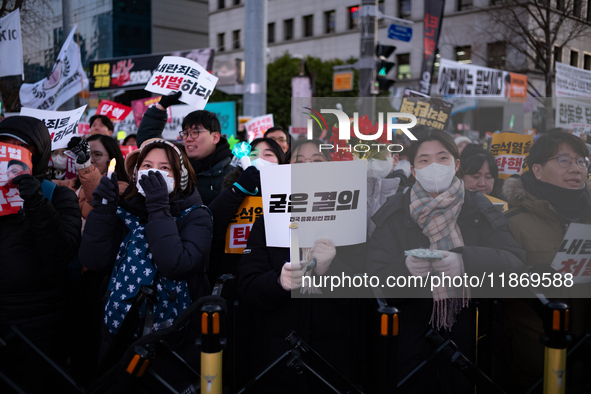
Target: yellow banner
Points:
x,y
510,151
239,228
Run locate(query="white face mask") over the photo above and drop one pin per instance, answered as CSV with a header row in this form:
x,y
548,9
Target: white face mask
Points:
x,y
379,168
59,162
435,178
403,165
169,180
260,163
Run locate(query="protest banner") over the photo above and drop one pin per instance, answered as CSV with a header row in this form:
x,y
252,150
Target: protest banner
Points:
x,y
431,32
180,74
140,107
66,79
62,125
431,112
510,151
468,80
580,130
127,149
572,81
319,198
574,254
83,128
71,172
241,224
14,161
133,72
112,110
569,112
11,45
256,127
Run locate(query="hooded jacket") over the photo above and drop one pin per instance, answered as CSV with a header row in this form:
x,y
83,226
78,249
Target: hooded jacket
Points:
x,y
210,177
37,245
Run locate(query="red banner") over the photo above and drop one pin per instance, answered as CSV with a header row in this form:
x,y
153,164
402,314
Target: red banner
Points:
x,y
141,106
14,161
114,111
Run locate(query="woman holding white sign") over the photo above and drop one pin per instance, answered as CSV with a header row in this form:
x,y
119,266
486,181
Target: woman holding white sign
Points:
x,y
267,277
469,236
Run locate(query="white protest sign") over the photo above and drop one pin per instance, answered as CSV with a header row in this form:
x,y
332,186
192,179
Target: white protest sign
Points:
x,y
11,45
572,111
580,129
66,79
181,74
172,129
574,254
327,200
62,125
572,81
256,127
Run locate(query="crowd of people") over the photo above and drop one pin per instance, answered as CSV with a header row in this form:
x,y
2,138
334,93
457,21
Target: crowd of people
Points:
x,y
74,258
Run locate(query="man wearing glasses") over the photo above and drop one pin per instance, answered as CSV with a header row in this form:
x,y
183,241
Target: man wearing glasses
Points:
x,y
208,152
281,137
548,197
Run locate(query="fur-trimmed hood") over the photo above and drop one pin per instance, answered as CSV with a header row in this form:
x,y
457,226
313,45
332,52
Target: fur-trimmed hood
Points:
x,y
514,191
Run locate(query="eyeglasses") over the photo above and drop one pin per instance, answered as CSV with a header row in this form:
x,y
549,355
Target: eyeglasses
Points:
x,y
193,133
97,155
279,139
565,161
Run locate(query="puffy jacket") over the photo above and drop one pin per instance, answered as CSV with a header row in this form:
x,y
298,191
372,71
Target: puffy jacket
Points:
x,y
488,247
209,181
37,245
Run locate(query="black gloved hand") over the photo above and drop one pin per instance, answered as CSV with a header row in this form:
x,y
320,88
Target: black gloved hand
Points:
x,y
107,189
171,99
81,148
29,188
250,180
156,191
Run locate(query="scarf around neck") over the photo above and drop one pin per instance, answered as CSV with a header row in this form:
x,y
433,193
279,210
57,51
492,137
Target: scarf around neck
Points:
x,y
437,216
570,204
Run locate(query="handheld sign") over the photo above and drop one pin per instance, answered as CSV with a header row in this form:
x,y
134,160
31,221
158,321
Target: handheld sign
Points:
x,y
14,161
574,254
256,127
112,110
62,125
397,32
180,74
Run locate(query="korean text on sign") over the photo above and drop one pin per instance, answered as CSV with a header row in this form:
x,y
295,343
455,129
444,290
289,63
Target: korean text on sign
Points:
x,y
62,125
317,196
510,151
181,74
574,253
241,224
425,112
256,127
14,161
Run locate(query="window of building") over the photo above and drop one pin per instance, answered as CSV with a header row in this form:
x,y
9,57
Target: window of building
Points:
x,y
353,16
403,66
497,54
381,6
236,39
465,4
236,2
577,7
288,29
587,62
221,4
221,42
557,55
271,33
329,22
309,26
404,8
560,5
574,58
464,54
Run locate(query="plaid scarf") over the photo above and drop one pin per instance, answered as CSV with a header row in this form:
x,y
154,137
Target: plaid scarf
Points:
x,y
437,216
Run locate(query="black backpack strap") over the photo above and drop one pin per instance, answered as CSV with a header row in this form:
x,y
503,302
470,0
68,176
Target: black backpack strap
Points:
x,y
515,212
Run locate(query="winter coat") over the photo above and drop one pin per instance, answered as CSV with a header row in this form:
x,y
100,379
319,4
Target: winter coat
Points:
x,y
488,247
37,245
180,250
89,179
209,180
327,325
537,227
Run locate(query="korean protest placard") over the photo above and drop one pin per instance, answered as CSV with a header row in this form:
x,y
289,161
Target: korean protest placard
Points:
x,y
431,32
62,125
180,74
241,223
431,112
510,151
14,161
11,46
65,80
572,81
569,112
256,127
325,199
574,254
112,110
468,80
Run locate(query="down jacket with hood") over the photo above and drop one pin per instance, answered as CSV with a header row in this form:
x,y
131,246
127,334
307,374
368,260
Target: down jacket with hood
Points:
x,y
37,245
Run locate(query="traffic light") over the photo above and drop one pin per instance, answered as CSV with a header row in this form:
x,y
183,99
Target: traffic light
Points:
x,y
383,67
